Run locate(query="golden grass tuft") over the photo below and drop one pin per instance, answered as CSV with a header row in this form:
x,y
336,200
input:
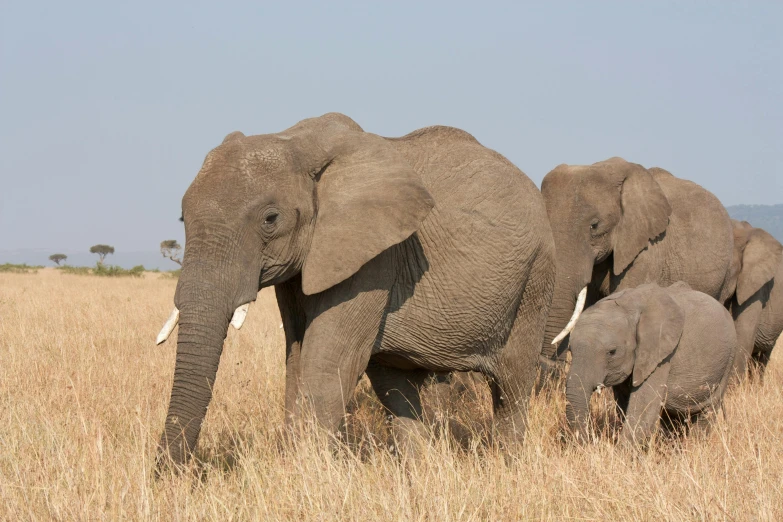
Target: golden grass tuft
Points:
x,y
83,392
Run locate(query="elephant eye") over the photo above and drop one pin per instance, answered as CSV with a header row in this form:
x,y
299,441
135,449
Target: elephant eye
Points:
x,y
613,351
270,218
593,225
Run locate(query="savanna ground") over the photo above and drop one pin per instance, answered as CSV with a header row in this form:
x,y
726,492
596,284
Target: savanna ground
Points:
x,y
84,390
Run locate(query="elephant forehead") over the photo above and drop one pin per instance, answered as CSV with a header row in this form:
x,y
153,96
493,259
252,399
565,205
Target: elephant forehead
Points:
x,y
249,155
233,167
591,336
593,177
578,182
265,151
601,318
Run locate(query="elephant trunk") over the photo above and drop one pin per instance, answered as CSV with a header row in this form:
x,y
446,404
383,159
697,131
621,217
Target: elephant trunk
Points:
x,y
573,275
205,312
562,309
578,393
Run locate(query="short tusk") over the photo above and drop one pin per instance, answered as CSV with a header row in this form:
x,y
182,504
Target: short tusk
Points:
x,y
239,316
168,327
580,305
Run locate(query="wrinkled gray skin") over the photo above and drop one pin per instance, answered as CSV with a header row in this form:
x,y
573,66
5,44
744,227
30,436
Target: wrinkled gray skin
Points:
x,y
618,225
756,301
667,349
395,256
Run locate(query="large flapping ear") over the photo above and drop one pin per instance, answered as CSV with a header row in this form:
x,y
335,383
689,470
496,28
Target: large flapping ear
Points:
x,y
658,330
761,258
368,199
645,211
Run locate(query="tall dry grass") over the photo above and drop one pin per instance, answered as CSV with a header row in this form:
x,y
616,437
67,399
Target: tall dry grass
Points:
x,y
83,392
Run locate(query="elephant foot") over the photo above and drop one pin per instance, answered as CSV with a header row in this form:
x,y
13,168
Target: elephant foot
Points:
x,y
701,424
409,438
508,433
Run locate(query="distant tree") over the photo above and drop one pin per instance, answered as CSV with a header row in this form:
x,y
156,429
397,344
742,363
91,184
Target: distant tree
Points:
x,y
172,250
102,251
57,258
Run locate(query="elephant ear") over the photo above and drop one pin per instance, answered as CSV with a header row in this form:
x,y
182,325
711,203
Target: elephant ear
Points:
x,y
369,198
645,213
762,256
658,331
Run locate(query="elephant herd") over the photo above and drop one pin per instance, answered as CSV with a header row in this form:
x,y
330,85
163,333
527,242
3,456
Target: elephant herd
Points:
x,y
404,258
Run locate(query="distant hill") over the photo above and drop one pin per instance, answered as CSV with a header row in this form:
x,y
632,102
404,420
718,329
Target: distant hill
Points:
x,y
768,217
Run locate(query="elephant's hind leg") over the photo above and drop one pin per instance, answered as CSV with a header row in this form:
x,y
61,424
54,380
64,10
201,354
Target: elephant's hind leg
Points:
x,y
399,392
515,375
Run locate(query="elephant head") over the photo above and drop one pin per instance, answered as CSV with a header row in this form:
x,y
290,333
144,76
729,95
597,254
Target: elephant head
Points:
x,y
317,200
757,256
608,211
626,335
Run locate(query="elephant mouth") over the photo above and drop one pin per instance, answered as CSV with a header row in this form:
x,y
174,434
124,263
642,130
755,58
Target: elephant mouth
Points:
x,y
237,320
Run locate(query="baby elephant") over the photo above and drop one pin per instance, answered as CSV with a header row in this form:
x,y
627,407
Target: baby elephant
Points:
x,y
659,348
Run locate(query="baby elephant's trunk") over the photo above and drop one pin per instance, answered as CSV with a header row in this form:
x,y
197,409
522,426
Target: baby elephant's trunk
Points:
x,y
578,392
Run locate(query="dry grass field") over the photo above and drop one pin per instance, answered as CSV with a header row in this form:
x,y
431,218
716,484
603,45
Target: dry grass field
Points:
x,y
83,393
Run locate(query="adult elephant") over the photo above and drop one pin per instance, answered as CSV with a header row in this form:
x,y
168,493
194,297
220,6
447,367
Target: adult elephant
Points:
x,y
618,225
395,256
756,301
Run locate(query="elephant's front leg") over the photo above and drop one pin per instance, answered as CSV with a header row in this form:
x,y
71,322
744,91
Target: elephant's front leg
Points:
x,y
343,324
644,407
289,301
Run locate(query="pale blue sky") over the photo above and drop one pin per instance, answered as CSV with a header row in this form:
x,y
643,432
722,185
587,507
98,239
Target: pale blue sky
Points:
x,y
107,111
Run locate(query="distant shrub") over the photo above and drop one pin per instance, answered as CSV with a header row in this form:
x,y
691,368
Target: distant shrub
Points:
x,y
117,271
19,269
174,274
104,270
76,270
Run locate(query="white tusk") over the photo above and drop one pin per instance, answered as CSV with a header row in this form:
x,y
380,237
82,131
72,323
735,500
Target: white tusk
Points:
x,y
239,316
168,327
580,305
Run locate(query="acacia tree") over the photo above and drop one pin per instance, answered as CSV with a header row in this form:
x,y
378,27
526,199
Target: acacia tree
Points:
x,y
172,250
102,251
57,258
